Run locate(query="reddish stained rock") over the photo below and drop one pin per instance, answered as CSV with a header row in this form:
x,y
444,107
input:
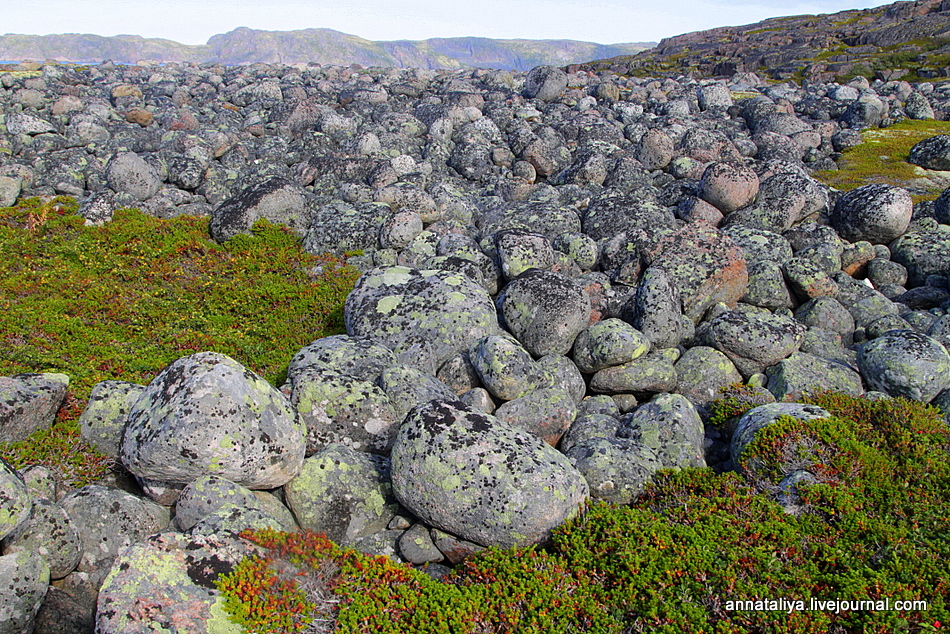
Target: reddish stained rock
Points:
x,y
728,186
705,265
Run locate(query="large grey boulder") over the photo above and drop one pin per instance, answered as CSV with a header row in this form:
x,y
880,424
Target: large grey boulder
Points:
x,y
341,408
905,363
102,421
729,186
29,402
670,426
545,311
932,153
480,479
608,342
108,521
546,413
875,213
208,414
209,494
128,173
703,372
407,387
167,583
338,227
546,83
506,369
358,357
50,534
656,309
754,341
275,199
803,373
923,253
24,580
426,317
615,469
16,503
343,493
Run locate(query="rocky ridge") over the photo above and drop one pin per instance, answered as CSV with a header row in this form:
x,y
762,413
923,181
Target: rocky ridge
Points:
x,y
903,40
325,46
560,273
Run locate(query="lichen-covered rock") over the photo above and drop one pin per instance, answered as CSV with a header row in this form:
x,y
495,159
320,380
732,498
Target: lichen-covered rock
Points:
x,y
876,213
802,373
62,614
546,83
102,421
615,469
647,374
754,341
548,219
808,280
338,227
209,493
705,265
759,244
519,250
24,579
546,413
16,502
208,414
506,369
606,343
656,309
763,416
356,356
234,519
416,546
932,153
728,186
28,403
670,426
343,493
407,387
905,363
703,372
275,199
610,215
545,311
340,408
109,520
50,534
481,479
923,253
128,173
766,287
400,307
591,425
167,583
827,313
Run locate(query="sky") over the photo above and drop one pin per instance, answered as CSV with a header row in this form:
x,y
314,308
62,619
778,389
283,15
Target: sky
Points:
x,y
602,21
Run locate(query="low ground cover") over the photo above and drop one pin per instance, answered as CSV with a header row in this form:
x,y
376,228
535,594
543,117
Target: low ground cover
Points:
x,y
874,528
124,300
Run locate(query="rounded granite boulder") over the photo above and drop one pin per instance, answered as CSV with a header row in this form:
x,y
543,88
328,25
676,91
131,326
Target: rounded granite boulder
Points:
x,y
616,469
545,311
208,414
905,363
876,213
483,480
15,500
24,580
402,308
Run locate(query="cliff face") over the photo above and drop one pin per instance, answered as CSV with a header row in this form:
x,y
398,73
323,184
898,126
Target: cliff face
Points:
x,y
901,40
323,46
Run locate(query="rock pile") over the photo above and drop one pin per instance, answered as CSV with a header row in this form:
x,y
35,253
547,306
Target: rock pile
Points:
x,y
561,271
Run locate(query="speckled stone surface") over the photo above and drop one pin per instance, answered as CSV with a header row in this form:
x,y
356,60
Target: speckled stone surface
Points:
x,y
343,493
16,502
49,533
671,427
905,363
763,416
754,341
166,583
208,414
546,413
506,369
545,311
106,413
207,494
24,579
606,343
28,402
400,307
358,357
615,469
480,479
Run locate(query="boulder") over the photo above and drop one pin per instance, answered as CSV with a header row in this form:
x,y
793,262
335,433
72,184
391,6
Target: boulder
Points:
x,y
275,199
905,363
876,213
29,402
206,414
470,474
545,311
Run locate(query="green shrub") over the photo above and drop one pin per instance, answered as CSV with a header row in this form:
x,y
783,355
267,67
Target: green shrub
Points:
x,y
124,300
875,527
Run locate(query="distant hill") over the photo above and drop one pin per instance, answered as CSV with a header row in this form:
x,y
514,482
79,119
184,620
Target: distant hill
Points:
x,y
903,40
323,46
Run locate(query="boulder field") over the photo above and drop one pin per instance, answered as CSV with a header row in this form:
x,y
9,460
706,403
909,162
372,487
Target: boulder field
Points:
x,y
559,274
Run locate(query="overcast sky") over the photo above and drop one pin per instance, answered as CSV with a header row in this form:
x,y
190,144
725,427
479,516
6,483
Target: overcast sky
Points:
x,y
603,21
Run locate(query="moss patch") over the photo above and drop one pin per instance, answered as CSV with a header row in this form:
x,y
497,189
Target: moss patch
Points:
x,y
882,158
124,300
